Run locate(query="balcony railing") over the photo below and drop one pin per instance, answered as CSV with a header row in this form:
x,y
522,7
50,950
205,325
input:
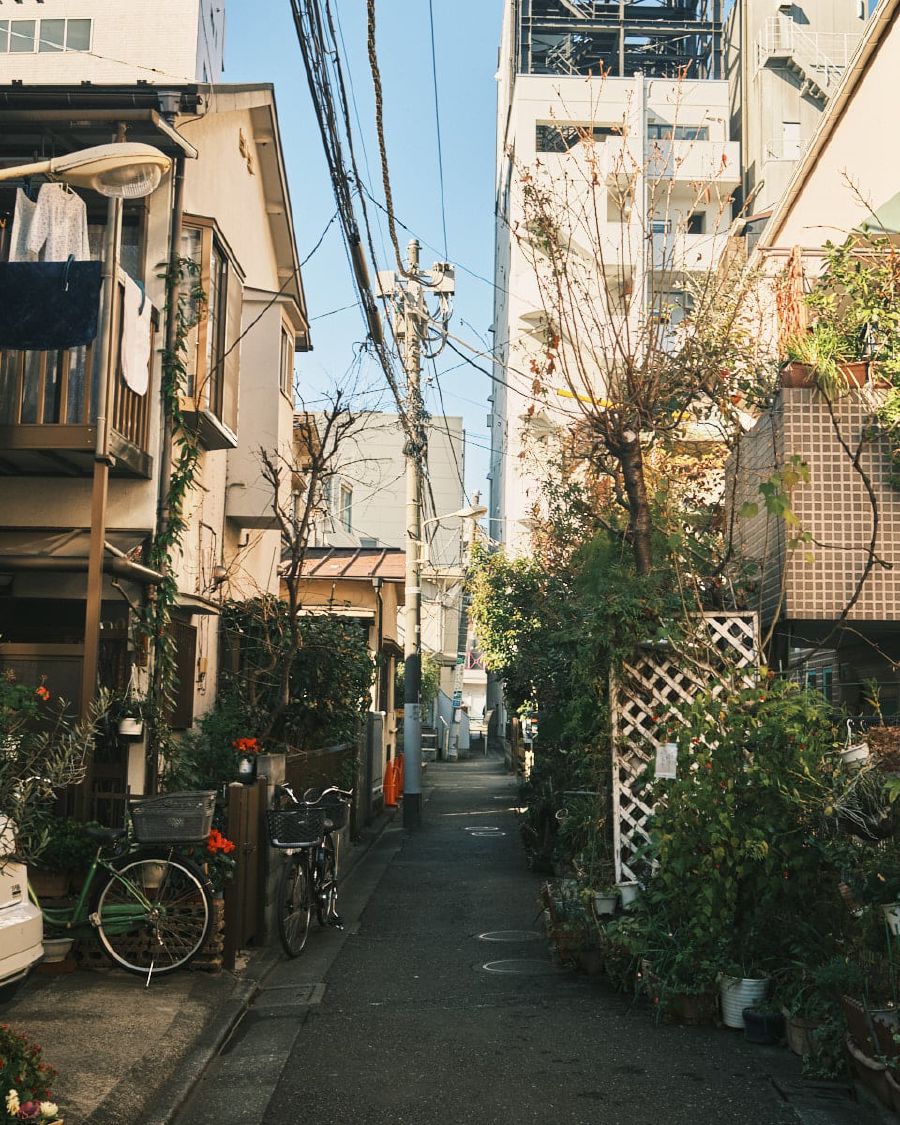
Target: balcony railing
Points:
x,y
48,411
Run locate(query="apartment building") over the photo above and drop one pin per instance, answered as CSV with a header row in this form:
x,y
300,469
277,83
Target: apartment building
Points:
x,y
784,63
367,509
596,103
224,207
56,42
833,619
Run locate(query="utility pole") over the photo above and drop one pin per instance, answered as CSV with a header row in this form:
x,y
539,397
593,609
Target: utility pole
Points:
x,y
417,332
412,645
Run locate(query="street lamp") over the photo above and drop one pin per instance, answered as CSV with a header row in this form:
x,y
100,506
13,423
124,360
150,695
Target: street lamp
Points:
x,y
123,170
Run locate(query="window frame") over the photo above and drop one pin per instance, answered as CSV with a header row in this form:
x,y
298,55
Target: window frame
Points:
x,y
286,372
207,393
37,43
663,131
345,506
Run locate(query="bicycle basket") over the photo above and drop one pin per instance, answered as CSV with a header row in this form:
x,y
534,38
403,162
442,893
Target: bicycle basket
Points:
x,y
337,812
175,818
295,827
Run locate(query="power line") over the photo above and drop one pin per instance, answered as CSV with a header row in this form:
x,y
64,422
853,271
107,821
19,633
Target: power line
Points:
x,y
321,239
437,124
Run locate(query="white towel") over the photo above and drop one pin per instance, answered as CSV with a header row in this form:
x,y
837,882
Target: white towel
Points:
x,y
136,332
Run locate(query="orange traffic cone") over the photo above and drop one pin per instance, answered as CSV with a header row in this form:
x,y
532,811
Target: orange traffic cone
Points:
x,y
390,785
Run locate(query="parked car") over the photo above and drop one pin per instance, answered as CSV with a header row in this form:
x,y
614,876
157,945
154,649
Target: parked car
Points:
x,y
21,924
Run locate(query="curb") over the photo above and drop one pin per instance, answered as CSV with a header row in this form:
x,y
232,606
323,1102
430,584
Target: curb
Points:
x,y
164,1107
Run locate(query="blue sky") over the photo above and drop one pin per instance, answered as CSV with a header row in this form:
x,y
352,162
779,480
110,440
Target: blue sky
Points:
x,y
467,34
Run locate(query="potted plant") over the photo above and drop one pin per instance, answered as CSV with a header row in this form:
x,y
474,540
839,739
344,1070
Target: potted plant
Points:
x,y
605,900
131,711
738,993
61,848
216,859
824,357
763,1025
24,1077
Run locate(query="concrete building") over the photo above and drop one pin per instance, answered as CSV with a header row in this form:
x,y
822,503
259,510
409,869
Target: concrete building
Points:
x,y
232,217
54,42
367,508
784,63
593,103
834,620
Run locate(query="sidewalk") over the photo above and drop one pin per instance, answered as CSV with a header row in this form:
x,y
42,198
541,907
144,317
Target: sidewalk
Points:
x,y
120,1047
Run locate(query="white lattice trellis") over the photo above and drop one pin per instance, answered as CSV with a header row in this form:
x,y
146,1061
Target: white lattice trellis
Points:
x,y
659,685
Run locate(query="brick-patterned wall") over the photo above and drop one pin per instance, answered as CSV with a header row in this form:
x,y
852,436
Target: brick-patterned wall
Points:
x,y
834,507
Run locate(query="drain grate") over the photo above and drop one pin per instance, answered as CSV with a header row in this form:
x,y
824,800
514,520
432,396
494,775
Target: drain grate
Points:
x,y
511,936
524,967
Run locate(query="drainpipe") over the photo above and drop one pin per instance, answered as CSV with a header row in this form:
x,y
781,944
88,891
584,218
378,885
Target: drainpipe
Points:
x,y
166,438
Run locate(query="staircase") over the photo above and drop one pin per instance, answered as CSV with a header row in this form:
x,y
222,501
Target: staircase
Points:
x,y
818,60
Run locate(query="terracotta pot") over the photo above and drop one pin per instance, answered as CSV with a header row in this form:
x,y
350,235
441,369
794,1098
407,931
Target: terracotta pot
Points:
x,y
796,375
49,884
858,1024
799,1033
872,1074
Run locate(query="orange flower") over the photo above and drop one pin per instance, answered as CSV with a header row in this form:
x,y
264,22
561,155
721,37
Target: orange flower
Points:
x,y
42,693
219,843
246,745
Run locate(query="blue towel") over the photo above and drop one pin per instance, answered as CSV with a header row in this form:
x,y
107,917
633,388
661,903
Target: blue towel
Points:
x,y
48,305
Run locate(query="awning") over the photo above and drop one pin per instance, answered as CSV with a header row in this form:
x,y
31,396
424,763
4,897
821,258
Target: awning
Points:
x,y
66,552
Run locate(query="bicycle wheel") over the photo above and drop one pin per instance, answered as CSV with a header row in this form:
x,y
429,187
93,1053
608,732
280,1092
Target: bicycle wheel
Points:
x,y
154,914
326,884
294,903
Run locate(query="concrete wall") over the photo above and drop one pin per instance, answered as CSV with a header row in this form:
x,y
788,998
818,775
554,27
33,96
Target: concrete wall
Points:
x,y
131,40
765,97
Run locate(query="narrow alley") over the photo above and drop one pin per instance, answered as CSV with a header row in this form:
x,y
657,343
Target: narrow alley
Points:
x,y
440,1002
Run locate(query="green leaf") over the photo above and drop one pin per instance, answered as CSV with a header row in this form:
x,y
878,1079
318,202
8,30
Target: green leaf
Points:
x,y
748,510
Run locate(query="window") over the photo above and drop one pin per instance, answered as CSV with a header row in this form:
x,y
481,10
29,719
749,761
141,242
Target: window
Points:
x,y
367,541
346,509
287,364
27,36
564,136
660,131
661,226
53,35
21,35
812,680
184,636
828,683
214,296
696,223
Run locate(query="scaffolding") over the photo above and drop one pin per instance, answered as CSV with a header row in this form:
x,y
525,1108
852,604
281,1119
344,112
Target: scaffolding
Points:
x,y
592,38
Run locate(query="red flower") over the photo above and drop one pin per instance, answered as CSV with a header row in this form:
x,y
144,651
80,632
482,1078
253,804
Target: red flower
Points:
x,y
42,693
219,843
246,745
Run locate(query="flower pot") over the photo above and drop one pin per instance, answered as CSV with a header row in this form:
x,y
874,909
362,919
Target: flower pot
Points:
x,y
871,1073
763,1027
738,993
605,903
858,1024
891,912
797,375
246,768
799,1032
629,894
131,728
857,753
57,948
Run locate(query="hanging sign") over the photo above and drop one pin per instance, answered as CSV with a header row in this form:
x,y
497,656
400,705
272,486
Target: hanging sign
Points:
x,y
667,761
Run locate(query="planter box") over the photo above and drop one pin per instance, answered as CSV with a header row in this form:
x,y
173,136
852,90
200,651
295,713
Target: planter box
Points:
x,y
858,1025
872,1074
797,375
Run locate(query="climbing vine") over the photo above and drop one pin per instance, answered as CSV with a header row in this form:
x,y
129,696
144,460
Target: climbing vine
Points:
x,y
184,300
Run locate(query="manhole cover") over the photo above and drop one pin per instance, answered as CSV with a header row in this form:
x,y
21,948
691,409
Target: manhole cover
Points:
x,y
509,935
482,828
489,835
524,967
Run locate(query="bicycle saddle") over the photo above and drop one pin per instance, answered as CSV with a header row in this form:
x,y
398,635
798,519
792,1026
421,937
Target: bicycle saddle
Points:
x,y
106,835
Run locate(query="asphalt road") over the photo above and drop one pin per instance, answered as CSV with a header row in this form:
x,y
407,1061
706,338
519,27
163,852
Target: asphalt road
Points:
x,y
414,1015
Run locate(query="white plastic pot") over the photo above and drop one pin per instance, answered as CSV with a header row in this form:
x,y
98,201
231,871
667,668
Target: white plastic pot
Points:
x,y
131,728
629,893
891,911
857,753
605,903
737,993
57,949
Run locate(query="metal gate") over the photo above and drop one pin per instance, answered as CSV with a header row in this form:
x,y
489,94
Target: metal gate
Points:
x,y
659,685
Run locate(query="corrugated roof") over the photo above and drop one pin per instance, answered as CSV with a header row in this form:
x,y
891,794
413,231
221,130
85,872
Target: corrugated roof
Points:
x,y
388,563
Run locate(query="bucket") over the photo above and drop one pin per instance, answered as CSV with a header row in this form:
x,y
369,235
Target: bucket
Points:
x,y
738,993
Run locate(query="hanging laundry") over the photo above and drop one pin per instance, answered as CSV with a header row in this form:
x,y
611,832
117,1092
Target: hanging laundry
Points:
x,y
59,228
21,229
47,305
136,335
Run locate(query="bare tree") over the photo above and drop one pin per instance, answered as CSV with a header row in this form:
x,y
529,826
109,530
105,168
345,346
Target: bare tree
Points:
x,y
644,323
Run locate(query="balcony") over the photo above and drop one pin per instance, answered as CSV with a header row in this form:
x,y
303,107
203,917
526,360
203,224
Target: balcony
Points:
x,y
695,161
817,60
687,253
48,412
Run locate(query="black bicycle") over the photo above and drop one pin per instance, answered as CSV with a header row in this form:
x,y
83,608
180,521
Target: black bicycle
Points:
x,y
303,830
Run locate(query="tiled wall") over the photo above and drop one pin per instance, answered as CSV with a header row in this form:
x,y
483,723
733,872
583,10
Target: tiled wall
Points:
x,y
834,506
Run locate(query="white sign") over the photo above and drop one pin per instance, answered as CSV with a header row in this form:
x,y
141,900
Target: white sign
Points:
x,y
667,761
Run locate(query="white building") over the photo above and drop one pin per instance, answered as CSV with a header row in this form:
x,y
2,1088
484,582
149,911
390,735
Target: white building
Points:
x,y
60,42
368,509
784,63
642,124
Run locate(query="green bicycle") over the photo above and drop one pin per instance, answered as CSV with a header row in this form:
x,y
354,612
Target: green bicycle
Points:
x,y
150,907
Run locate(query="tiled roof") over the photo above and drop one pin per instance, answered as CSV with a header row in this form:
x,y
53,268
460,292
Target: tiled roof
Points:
x,y
388,563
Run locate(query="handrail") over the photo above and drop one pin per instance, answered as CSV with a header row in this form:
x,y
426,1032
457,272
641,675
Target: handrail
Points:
x,y
825,53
